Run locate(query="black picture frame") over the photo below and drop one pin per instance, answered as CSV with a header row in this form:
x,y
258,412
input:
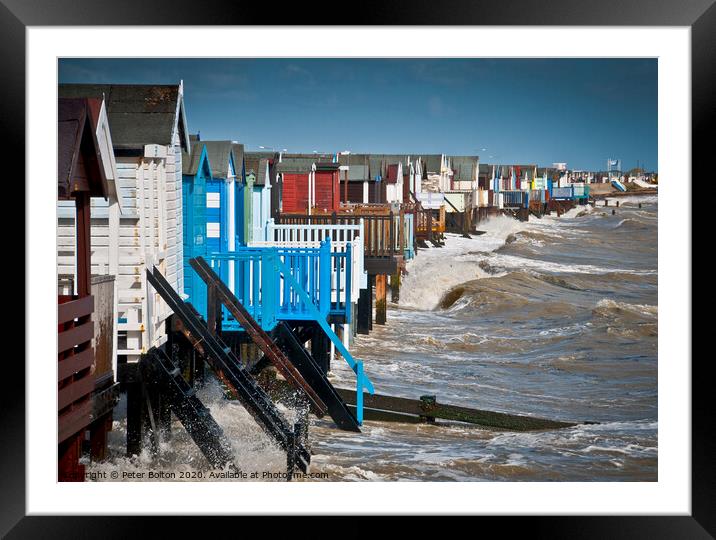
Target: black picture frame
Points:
x,y
699,15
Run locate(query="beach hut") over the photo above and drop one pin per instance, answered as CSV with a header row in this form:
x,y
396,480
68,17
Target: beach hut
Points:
x,y
394,182
273,179
326,186
465,171
227,205
356,189
309,182
436,173
144,228
295,175
258,175
196,172
85,170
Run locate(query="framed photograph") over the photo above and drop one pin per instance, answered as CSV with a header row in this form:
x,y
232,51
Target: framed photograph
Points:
x,y
414,265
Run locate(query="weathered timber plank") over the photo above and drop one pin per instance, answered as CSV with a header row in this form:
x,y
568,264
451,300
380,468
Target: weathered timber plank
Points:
x,y
455,413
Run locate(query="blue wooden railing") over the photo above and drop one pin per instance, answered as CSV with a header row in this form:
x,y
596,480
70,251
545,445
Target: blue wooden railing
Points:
x,y
362,381
319,278
276,284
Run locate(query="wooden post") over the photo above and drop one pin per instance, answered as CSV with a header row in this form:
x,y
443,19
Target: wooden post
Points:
x,y
391,235
345,186
135,406
427,403
165,418
370,298
83,251
69,468
211,302
320,349
364,315
395,287
380,299
98,437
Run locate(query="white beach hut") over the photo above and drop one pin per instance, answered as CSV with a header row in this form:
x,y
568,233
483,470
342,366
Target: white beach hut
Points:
x,y
140,225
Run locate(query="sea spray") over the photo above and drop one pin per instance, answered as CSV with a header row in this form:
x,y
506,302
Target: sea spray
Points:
x,y
436,270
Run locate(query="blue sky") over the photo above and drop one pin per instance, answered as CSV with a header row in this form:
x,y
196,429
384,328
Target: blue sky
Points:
x,y
579,111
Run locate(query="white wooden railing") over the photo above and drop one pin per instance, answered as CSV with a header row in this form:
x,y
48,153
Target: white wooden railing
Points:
x,y
311,236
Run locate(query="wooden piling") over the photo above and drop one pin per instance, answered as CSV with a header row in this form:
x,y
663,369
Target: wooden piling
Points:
x,y
69,468
371,280
98,437
135,419
380,299
321,349
395,287
364,315
430,403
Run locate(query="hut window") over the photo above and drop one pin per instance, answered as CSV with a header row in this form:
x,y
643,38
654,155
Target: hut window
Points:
x,y
213,200
213,230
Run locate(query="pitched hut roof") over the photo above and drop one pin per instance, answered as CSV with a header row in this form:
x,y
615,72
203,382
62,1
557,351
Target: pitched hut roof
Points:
x,y
239,156
358,170
433,163
464,167
219,152
256,165
139,114
296,164
79,163
263,172
191,160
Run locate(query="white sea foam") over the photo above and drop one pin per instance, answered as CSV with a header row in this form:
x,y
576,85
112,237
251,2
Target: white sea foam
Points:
x,y
634,200
513,262
640,309
437,270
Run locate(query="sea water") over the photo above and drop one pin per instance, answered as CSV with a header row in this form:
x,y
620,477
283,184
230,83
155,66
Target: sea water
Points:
x,y
555,318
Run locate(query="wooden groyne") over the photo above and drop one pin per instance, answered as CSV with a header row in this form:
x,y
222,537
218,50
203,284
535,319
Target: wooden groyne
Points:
x,y
427,409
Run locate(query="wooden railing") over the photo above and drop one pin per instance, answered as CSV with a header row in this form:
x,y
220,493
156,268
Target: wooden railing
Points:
x,y
429,222
321,274
379,240
311,236
75,358
515,199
